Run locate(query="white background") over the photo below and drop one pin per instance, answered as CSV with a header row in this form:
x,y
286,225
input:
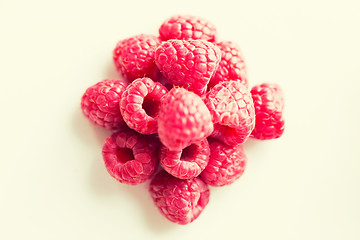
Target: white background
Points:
x,y
53,184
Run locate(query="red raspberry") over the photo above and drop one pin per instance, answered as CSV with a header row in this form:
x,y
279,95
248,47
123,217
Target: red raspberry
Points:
x,y
130,157
187,163
233,112
269,104
188,63
100,103
180,201
140,104
183,119
226,164
166,83
232,65
134,57
187,27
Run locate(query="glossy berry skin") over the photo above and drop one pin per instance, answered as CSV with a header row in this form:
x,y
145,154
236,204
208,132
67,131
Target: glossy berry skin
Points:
x,y
180,201
232,110
130,157
187,163
187,27
226,164
269,104
232,65
134,57
183,119
100,103
188,63
140,104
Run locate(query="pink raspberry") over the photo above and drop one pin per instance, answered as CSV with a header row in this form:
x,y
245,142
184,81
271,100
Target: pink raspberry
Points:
x,y
226,164
269,104
180,201
233,112
188,63
232,65
134,57
140,104
163,81
130,157
187,27
187,163
183,119
100,103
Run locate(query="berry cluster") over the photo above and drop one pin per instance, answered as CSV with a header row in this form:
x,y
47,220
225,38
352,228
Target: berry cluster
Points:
x,y
180,113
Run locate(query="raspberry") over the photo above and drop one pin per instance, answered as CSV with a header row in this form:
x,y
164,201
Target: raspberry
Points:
x,y
187,163
188,63
100,103
233,112
140,105
226,164
180,201
183,119
130,157
134,57
232,65
269,104
187,27
166,83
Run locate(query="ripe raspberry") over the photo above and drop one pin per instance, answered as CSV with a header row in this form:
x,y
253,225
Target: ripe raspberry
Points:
x,y
180,201
269,104
140,104
233,112
188,63
130,157
226,164
134,57
100,103
183,119
163,81
187,163
232,65
187,27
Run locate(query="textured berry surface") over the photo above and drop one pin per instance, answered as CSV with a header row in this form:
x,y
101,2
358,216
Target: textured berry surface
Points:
x,y
226,164
100,103
180,201
130,157
166,83
140,104
187,163
187,27
134,57
269,104
188,63
232,65
183,119
232,110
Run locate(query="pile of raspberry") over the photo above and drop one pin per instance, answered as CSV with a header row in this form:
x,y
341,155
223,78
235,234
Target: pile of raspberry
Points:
x,y
180,112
